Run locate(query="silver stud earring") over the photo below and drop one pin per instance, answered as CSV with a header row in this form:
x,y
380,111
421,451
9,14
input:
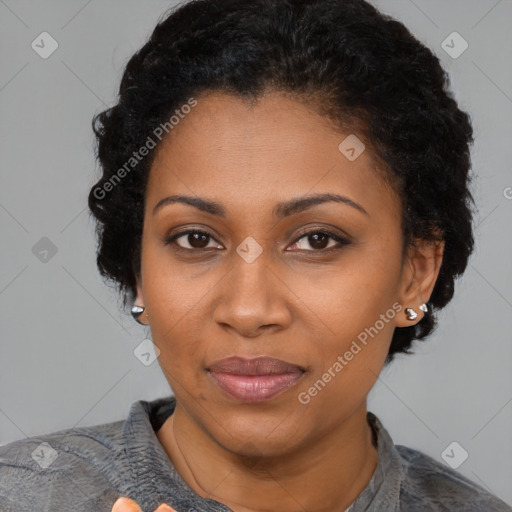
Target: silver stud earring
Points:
x,y
424,307
411,314
136,312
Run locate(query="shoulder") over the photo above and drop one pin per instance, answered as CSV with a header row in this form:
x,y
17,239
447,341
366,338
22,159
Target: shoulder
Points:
x,y
79,464
430,485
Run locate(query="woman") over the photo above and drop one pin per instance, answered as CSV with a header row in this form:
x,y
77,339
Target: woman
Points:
x,y
285,203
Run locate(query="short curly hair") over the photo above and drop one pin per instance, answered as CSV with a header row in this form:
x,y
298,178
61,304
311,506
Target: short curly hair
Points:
x,y
357,65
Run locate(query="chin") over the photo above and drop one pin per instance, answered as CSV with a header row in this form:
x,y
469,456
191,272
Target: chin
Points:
x,y
256,433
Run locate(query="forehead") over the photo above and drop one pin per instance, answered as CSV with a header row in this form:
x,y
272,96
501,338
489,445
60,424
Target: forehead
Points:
x,y
262,153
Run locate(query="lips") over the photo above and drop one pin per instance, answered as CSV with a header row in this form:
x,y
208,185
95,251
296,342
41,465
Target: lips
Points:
x,y
254,380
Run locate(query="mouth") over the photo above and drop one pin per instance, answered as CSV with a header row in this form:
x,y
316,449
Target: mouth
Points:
x,y
254,380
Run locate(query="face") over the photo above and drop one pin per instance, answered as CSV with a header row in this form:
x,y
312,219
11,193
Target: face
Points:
x,y
251,269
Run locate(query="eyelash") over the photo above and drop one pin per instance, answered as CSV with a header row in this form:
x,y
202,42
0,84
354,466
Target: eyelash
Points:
x,y
342,241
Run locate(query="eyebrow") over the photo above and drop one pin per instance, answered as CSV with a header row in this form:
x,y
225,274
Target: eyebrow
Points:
x,y
281,210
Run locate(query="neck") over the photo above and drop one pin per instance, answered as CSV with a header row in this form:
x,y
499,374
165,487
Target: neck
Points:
x,y
326,475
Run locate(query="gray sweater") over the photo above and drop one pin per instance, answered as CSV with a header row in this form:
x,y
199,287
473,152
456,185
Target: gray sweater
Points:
x,y
88,468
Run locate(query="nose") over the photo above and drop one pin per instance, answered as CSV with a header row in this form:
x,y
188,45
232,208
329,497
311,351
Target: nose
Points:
x,y
253,298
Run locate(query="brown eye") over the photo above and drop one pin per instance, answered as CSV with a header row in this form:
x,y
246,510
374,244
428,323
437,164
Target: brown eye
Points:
x,y
192,239
319,241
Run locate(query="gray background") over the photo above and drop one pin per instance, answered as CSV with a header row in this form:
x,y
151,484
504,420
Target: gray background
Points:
x,y
67,352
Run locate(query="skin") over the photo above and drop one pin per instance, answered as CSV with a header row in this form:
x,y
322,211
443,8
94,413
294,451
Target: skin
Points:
x,y
127,505
298,301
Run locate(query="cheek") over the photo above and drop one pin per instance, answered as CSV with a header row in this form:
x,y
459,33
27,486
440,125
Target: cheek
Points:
x,y
177,336
174,301
354,308
345,368
343,299
346,364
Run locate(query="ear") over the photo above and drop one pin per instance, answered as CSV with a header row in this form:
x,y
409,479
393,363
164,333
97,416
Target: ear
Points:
x,y
139,299
419,275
